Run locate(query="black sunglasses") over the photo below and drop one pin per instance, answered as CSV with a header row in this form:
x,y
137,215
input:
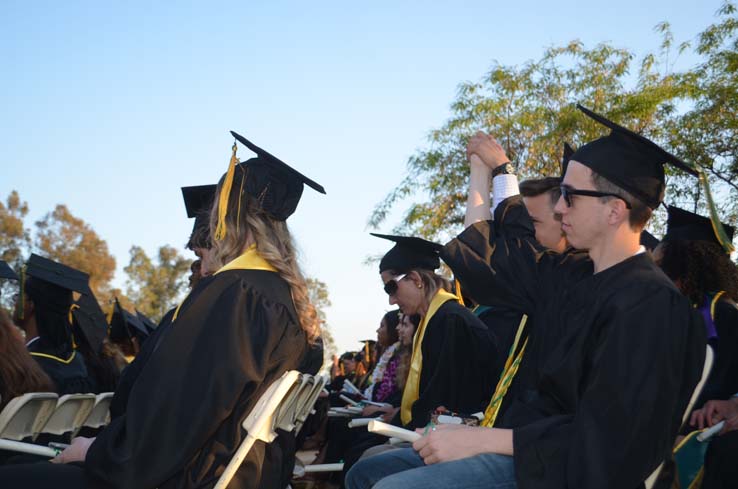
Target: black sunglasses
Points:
x,y
567,192
390,286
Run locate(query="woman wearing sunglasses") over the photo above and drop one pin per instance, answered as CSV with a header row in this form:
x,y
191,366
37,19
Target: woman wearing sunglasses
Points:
x,y
455,360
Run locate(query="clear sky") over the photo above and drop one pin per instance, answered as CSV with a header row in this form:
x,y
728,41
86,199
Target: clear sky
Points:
x,y
111,107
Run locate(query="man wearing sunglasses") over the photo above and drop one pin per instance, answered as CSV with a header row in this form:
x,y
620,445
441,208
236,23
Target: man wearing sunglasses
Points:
x,y
623,348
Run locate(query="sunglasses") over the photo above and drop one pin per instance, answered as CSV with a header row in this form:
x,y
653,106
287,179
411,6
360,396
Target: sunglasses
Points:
x,y
567,192
390,286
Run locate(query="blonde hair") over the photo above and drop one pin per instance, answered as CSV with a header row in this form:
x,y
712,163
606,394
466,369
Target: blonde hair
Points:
x,y
432,283
274,243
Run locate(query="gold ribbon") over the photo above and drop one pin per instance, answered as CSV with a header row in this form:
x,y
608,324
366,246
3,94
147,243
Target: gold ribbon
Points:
x,y
508,373
225,192
411,393
249,260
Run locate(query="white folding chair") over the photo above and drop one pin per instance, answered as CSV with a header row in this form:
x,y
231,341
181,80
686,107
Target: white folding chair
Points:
x,y
309,406
25,415
707,367
70,414
260,423
289,409
100,414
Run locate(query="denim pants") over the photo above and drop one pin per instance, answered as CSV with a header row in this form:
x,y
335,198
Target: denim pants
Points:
x,y
404,469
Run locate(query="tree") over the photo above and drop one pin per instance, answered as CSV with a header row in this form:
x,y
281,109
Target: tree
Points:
x,y
707,133
318,293
15,240
154,288
67,239
531,111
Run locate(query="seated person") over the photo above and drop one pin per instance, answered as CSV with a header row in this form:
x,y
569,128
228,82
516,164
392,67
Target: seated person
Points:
x,y
625,348
236,333
19,373
43,311
692,256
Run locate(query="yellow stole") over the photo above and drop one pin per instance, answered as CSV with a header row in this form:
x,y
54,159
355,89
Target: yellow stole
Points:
x,y
249,260
412,386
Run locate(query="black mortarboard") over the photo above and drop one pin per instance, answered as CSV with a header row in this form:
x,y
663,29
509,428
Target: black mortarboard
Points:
x,y
198,201
148,323
409,253
276,186
57,274
685,225
90,320
6,271
629,160
124,325
648,240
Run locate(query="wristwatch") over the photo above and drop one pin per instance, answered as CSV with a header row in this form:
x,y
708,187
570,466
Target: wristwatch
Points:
x,y
505,169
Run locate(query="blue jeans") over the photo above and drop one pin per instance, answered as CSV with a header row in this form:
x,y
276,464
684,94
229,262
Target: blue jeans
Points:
x,y
404,469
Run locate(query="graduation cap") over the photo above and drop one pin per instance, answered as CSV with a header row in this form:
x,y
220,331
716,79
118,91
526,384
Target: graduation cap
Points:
x,y
148,323
198,200
89,322
6,271
124,325
685,225
408,253
629,160
648,240
276,186
57,274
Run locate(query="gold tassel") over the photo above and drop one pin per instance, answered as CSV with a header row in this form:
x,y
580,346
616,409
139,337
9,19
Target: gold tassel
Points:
x,y
717,226
458,292
225,192
71,320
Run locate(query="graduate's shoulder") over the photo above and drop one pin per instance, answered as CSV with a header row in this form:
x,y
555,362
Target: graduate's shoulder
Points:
x,y
267,286
452,311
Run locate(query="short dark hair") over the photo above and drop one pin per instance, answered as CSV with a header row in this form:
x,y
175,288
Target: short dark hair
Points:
x,y
640,213
534,187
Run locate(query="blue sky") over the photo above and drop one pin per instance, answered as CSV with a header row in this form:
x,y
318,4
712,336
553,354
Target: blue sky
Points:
x,y
111,107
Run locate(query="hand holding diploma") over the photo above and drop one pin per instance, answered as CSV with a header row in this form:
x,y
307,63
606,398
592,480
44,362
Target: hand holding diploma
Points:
x,y
76,452
449,442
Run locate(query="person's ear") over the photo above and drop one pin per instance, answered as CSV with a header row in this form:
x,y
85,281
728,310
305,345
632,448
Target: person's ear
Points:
x,y
416,279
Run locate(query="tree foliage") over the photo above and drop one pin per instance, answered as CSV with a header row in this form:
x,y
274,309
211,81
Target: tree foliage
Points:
x,y
531,110
318,293
68,239
15,239
156,287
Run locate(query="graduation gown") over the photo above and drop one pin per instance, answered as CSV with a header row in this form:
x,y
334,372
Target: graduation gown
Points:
x,y
233,336
461,364
67,370
624,351
723,380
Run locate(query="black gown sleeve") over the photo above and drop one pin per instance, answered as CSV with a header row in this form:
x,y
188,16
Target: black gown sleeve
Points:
x,y
500,263
182,420
631,398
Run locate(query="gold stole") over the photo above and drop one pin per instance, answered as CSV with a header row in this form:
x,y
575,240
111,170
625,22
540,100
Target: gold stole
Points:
x,y
412,386
249,260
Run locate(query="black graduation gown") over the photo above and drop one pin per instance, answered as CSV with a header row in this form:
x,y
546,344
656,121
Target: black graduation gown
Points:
x,y
723,380
624,350
235,334
70,376
461,364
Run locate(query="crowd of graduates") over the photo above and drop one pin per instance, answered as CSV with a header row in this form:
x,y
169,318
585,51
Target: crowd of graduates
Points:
x,y
567,351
